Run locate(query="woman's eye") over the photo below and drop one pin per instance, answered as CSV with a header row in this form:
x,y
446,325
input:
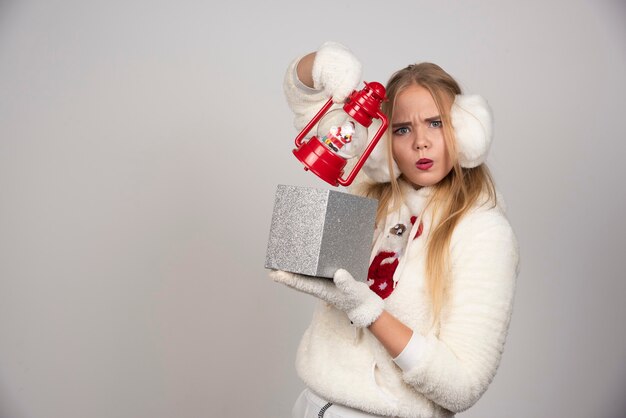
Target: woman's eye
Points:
x,y
436,124
401,131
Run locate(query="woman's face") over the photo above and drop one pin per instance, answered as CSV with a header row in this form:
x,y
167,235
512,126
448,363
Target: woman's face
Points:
x,y
417,139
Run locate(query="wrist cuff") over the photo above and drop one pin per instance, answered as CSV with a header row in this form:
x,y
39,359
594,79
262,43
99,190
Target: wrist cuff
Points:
x,y
409,356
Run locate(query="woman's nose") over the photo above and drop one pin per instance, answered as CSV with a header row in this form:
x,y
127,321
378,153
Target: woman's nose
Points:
x,y
420,141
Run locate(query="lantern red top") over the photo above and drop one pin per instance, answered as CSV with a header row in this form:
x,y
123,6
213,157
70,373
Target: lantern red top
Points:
x,y
364,105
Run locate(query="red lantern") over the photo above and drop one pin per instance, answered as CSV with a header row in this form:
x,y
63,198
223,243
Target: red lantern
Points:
x,y
339,132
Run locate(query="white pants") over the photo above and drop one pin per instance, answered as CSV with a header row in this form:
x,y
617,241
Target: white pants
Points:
x,y
310,405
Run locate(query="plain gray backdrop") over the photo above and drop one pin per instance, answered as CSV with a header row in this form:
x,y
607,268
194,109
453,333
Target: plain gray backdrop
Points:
x,y
140,146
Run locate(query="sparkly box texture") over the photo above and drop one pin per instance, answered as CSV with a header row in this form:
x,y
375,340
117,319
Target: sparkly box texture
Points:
x,y
315,232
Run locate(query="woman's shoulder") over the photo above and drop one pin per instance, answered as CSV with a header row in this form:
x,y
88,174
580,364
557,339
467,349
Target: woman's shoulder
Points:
x,y
485,220
484,241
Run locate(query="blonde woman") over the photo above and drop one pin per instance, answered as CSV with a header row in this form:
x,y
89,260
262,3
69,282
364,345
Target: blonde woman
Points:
x,y
424,335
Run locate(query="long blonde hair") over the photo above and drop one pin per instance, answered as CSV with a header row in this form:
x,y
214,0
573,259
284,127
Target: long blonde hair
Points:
x,y
452,197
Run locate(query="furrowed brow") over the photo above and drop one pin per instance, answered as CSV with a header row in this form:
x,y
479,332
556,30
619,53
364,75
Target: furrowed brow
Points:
x,y
433,118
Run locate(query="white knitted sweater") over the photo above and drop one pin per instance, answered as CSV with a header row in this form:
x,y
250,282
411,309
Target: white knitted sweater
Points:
x,y
457,360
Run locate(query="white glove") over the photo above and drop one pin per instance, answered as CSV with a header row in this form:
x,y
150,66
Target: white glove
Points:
x,y
346,294
336,71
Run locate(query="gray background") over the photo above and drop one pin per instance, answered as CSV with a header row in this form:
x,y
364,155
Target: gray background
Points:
x,y
140,146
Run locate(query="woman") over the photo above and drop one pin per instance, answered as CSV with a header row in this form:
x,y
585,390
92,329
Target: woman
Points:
x,y
424,336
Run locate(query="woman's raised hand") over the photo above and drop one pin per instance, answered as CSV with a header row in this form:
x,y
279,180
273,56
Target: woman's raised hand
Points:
x,y
336,71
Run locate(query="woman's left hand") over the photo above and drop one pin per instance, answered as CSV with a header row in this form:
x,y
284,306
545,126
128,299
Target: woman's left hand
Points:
x,y
344,293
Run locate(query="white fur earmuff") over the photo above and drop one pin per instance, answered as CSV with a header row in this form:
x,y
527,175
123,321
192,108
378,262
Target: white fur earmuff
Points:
x,y
473,127
377,166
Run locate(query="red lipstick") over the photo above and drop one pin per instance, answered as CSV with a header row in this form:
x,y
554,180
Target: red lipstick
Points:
x,y
424,163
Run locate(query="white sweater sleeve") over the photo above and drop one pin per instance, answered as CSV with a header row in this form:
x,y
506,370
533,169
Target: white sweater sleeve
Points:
x,y
303,101
455,368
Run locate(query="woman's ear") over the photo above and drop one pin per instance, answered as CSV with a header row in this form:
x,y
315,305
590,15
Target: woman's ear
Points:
x,y
472,122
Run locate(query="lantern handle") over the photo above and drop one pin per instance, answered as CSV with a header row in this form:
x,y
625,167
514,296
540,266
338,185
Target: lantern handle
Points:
x,y
313,121
370,147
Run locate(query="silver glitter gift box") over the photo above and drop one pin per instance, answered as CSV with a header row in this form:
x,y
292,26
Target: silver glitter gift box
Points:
x,y
315,232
